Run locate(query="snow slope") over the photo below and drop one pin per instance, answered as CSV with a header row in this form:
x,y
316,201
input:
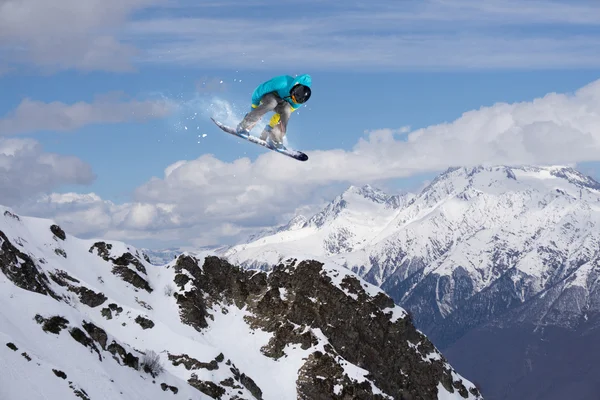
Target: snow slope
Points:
x,y
77,316
348,224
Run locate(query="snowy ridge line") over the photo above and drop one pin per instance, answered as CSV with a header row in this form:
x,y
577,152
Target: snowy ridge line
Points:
x,y
114,325
474,222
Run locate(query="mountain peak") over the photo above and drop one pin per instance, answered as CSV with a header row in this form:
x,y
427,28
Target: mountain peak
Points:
x,y
511,171
503,178
356,199
368,192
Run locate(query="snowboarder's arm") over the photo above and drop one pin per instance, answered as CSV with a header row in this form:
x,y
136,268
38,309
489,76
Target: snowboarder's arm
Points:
x,y
273,85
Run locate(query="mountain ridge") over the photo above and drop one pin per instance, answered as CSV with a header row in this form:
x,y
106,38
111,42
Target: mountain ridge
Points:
x,y
477,252
198,327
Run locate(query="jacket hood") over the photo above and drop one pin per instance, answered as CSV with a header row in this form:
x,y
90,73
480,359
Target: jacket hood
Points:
x,y
303,80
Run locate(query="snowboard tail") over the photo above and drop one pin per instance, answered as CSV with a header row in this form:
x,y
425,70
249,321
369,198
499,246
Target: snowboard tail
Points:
x,y
295,154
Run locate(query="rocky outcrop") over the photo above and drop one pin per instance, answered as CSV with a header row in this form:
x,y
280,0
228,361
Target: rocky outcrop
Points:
x,y
207,387
96,333
121,265
22,270
319,331
166,387
145,323
127,259
112,307
295,300
192,364
81,337
54,324
132,277
86,296
58,232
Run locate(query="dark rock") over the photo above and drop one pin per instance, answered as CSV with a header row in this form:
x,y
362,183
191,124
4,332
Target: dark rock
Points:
x,y
96,333
106,313
11,215
59,373
166,387
192,307
247,382
145,323
89,297
319,376
130,276
12,346
229,382
58,232
208,388
228,285
61,278
26,356
180,280
127,259
143,303
102,249
53,324
358,327
126,358
61,252
83,339
191,363
79,392
21,269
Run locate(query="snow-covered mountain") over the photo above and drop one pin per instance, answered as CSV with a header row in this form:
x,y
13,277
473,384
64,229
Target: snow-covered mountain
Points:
x,y
348,224
496,247
465,232
94,319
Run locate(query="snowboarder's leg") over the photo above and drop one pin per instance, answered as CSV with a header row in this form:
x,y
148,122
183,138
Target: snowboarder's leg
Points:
x,y
279,124
267,103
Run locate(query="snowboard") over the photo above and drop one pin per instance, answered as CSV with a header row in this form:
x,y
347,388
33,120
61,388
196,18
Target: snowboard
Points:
x,y
295,154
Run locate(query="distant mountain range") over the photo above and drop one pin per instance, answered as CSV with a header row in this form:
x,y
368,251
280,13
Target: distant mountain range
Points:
x,y
503,258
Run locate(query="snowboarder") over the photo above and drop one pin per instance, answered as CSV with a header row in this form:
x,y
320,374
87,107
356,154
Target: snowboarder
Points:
x,y
283,94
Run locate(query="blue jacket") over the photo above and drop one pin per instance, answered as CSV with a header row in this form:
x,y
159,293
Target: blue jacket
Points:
x,y
282,85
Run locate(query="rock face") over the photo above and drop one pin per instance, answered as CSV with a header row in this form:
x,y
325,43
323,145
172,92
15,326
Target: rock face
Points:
x,y
304,330
300,304
21,269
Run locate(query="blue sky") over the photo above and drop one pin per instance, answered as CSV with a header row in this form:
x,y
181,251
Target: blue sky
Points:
x,y
95,98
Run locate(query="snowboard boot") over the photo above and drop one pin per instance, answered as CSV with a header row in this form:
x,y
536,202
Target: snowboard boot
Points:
x,y
266,133
274,143
268,136
243,129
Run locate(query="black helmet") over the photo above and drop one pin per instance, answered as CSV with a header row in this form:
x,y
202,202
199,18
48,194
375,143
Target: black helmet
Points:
x,y
300,93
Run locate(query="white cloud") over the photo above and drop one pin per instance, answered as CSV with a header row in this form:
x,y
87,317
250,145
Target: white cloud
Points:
x,y
383,35
26,170
206,200
115,34
64,34
32,115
